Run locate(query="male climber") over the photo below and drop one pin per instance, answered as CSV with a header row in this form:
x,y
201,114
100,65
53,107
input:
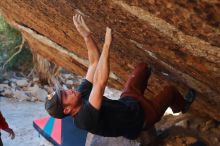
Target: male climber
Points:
x,y
99,115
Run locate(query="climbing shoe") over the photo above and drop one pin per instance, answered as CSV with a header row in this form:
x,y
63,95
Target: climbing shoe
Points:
x,y
189,98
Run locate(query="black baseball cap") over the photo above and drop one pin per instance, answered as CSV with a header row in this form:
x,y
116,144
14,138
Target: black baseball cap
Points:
x,y
53,104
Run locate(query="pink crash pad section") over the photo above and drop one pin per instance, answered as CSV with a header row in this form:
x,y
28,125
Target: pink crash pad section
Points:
x,y
56,133
41,122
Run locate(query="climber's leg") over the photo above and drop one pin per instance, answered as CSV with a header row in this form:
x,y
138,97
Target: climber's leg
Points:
x,y
156,107
137,81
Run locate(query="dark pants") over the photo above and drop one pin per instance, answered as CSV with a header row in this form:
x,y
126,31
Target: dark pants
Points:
x,y
155,108
1,144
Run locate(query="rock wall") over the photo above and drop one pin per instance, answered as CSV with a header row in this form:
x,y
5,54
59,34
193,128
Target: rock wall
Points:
x,y
180,39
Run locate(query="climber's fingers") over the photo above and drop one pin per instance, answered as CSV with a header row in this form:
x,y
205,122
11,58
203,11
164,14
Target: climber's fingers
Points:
x,y
78,19
84,24
108,36
75,21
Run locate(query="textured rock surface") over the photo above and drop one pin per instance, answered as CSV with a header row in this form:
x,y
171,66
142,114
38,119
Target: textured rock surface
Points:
x,y
22,83
181,39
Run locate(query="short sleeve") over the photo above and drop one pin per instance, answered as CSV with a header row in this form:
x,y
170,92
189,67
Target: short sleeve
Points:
x,y
85,88
87,118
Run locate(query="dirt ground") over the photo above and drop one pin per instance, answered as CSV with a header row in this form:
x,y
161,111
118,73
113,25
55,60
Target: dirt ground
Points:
x,y
20,115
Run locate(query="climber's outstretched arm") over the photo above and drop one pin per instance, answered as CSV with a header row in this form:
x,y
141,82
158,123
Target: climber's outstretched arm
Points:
x,y
93,51
101,74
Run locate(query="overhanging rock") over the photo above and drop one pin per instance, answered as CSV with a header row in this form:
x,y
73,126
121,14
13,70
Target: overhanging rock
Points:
x,y
181,39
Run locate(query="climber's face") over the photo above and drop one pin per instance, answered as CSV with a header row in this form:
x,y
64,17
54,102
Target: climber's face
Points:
x,y
70,100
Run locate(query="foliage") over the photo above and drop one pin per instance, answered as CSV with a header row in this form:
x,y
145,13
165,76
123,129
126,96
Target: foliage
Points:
x,y
9,39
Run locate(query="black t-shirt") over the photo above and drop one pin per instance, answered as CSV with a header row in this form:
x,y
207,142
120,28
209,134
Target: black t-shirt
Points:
x,y
123,117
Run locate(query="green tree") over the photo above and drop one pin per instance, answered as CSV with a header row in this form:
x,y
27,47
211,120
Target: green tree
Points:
x,y
10,39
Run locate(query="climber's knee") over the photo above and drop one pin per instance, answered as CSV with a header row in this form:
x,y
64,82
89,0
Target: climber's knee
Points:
x,y
142,65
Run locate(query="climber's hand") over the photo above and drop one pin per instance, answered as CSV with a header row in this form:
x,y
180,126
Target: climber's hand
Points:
x,y
81,26
108,37
11,132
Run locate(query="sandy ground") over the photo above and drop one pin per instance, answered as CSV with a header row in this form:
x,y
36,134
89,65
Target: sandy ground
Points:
x,y
20,115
